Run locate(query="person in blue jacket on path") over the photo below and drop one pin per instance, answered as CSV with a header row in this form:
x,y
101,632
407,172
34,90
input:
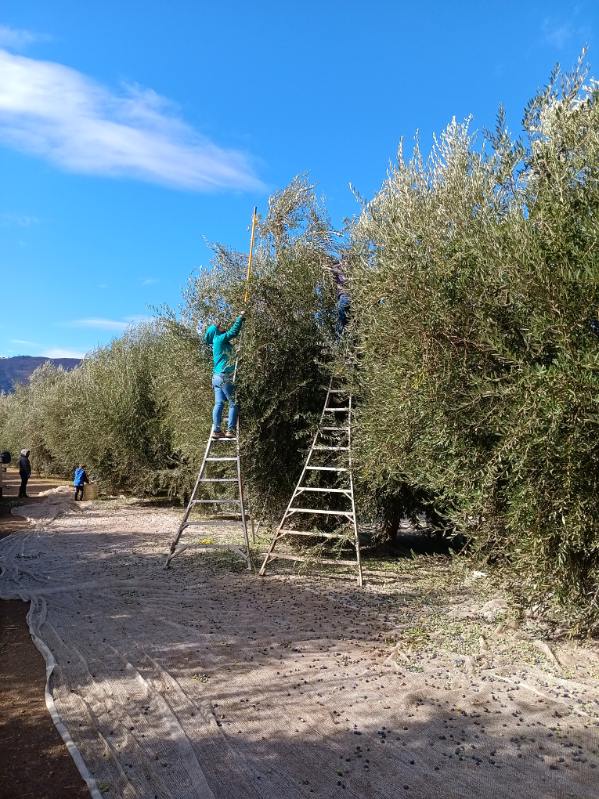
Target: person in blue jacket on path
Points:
x,y
222,376
79,480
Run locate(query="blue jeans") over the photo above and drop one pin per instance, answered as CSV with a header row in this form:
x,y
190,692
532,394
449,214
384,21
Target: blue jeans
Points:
x,y
343,304
224,391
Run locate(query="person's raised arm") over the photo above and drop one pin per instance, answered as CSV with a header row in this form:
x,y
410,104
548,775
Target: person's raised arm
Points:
x,y
234,329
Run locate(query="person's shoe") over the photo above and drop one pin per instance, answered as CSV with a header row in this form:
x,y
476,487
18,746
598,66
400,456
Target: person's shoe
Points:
x,y
230,434
217,434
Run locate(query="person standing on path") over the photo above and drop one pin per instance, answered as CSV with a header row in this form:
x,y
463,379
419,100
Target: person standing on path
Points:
x,y
24,472
223,358
80,478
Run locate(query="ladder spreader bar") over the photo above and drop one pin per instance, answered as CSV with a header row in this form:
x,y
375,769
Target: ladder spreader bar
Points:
x,y
301,559
314,533
347,513
323,490
206,501
327,468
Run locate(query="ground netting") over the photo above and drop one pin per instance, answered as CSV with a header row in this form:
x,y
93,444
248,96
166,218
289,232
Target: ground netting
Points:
x,y
206,681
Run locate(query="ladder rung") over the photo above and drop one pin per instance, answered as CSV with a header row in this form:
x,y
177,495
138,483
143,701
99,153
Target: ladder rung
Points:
x,y
199,545
347,513
221,459
332,449
343,429
336,410
224,438
338,391
218,480
315,534
281,556
323,490
327,468
206,501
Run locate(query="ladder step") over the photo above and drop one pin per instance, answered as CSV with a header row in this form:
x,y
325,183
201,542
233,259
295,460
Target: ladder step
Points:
x,y
221,459
313,533
299,558
336,410
347,513
225,438
323,490
328,468
342,429
218,480
206,501
338,391
333,449
214,518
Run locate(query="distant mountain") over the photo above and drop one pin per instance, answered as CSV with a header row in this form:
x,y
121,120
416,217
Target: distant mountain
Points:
x,y
20,368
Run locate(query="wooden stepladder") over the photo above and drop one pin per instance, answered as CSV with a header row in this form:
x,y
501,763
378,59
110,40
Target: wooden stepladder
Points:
x,y
228,475
326,481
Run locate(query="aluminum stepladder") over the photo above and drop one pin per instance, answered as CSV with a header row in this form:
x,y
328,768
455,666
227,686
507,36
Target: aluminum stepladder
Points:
x,y
237,501
335,427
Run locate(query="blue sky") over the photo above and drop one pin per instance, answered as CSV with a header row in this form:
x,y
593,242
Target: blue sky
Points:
x,y
134,133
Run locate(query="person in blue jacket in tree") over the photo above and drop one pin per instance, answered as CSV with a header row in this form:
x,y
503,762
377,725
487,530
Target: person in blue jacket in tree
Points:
x,y
223,357
79,480
338,271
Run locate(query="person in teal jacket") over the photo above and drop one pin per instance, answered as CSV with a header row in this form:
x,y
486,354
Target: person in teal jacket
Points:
x,y
222,376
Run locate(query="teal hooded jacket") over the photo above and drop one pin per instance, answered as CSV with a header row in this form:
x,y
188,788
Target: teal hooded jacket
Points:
x,y
221,346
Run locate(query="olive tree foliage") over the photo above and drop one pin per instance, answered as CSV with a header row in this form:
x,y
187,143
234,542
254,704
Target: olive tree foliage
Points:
x,y
475,272
103,413
283,349
27,417
118,428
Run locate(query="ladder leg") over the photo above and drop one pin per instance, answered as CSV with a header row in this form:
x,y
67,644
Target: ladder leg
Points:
x,y
189,507
242,506
353,504
273,543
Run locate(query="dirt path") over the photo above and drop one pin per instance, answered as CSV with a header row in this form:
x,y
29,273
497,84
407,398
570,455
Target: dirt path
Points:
x,y
205,681
27,733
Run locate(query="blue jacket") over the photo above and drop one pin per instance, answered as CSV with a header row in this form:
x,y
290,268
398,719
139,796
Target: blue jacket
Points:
x,y
222,350
80,477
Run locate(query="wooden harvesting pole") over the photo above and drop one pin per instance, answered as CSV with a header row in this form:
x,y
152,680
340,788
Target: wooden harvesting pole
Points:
x,y
249,270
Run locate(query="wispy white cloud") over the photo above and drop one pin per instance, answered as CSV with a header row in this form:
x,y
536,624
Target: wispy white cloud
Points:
x,y
65,117
99,323
19,39
557,34
59,352
18,220
23,342
560,33
149,281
